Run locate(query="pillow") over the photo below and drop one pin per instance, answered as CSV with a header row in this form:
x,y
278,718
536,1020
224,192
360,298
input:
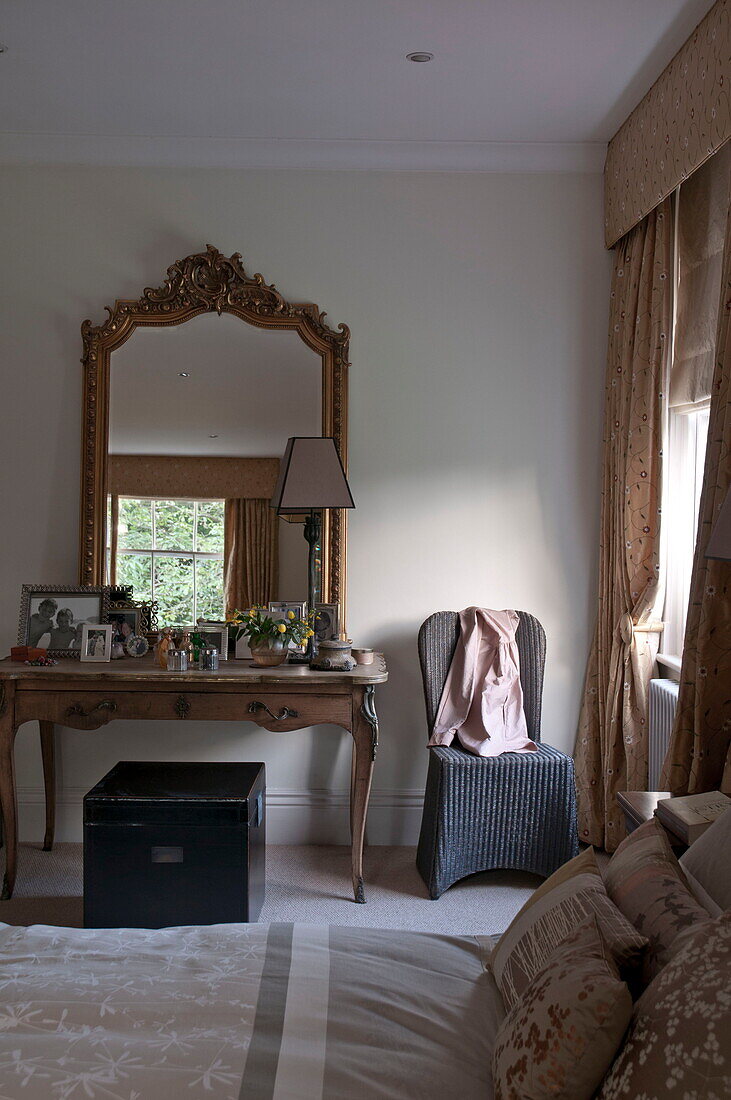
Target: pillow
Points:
x,y
561,1036
700,894
679,1041
707,860
645,881
557,907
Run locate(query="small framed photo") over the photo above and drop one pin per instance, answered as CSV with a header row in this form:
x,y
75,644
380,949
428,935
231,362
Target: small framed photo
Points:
x,y
137,645
52,616
326,625
146,610
215,634
126,622
96,641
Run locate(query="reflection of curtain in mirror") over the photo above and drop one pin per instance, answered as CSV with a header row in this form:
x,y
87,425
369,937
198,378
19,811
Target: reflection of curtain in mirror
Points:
x,y
250,553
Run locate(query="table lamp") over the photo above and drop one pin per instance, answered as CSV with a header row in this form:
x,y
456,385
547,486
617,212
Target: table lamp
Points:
x,y
719,544
311,477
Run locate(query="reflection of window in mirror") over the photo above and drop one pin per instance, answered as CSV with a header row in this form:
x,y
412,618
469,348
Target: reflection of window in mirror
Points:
x,y
170,551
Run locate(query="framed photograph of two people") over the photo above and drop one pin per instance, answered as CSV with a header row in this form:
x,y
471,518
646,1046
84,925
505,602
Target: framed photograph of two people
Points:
x,y
53,617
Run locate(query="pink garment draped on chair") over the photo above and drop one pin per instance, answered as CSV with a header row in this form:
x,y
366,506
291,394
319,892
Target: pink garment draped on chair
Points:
x,y
482,700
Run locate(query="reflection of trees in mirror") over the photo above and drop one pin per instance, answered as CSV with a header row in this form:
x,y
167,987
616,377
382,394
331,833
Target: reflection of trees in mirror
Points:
x,y
172,551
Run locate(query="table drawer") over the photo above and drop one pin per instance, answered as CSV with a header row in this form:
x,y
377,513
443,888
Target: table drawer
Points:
x,y
277,711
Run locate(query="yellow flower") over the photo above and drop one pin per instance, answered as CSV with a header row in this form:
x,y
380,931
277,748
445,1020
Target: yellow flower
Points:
x,y
282,628
290,614
310,633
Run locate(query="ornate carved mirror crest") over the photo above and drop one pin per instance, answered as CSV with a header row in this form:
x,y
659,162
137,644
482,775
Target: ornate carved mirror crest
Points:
x,y
206,282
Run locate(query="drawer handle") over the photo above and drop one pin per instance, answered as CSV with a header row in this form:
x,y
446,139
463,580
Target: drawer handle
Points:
x,y
285,712
182,707
78,711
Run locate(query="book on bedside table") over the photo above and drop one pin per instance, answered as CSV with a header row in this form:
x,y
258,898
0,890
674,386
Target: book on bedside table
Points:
x,y
690,815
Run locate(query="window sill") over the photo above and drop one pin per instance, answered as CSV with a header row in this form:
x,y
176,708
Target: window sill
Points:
x,y
669,664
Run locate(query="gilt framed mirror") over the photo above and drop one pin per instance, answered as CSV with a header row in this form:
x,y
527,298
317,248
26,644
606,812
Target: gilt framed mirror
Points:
x,y
190,394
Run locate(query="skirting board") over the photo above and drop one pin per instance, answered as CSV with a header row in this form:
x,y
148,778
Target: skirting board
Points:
x,y
293,816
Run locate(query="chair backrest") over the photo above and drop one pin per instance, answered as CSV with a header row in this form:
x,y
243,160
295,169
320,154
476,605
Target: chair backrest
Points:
x,y
438,640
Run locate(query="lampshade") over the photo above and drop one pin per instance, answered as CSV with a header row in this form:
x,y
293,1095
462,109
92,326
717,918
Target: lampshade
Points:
x,y
311,476
719,544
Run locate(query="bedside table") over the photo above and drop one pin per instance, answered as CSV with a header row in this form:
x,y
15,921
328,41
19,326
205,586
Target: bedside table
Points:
x,y
639,807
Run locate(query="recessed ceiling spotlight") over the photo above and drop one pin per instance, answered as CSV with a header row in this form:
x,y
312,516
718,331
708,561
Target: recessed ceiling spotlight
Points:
x,y
419,56
213,437
3,48
183,374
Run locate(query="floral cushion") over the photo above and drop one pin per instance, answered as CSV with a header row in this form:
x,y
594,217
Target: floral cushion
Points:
x,y
645,881
561,1036
557,908
679,1042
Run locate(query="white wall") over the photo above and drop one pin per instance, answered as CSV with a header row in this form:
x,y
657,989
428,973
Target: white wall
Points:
x,y
478,307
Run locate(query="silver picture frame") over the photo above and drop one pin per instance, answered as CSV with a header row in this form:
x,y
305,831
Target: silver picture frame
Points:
x,y
91,635
281,607
214,634
40,626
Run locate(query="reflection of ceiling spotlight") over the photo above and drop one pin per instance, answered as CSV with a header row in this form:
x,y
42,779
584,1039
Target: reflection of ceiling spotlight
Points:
x,y
420,56
183,374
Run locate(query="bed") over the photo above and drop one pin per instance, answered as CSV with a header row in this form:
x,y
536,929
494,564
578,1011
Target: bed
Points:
x,y
254,1011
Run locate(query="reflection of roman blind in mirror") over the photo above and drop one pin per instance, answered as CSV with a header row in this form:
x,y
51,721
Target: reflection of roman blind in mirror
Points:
x,y
701,224
203,477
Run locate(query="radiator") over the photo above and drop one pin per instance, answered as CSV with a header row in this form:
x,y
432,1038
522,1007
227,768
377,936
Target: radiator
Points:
x,y
662,704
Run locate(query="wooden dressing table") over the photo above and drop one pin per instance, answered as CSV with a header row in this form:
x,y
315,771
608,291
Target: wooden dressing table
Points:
x,y
87,696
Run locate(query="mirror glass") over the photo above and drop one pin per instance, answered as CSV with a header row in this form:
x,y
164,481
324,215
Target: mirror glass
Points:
x,y
199,417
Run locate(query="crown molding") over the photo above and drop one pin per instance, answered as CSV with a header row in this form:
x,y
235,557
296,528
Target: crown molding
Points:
x,y
137,151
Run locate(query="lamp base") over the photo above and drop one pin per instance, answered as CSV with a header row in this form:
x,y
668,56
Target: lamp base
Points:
x,y
298,659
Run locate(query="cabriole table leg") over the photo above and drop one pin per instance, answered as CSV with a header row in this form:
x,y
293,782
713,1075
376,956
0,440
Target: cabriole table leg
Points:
x,y
49,781
8,796
365,739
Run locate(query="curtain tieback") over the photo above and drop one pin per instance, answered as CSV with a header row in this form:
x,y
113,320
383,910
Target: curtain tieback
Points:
x,y
628,629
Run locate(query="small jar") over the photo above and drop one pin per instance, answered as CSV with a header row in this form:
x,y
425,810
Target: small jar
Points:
x,y
208,659
177,660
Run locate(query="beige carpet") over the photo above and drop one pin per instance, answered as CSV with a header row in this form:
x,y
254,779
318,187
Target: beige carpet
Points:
x,y
309,884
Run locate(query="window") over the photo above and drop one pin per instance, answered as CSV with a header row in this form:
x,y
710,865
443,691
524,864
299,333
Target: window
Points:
x,y
687,434
701,207
172,551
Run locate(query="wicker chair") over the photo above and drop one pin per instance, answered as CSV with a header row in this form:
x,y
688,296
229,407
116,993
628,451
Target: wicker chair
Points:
x,y
517,810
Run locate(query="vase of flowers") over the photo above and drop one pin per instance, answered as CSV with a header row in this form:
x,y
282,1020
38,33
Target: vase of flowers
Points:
x,y
269,638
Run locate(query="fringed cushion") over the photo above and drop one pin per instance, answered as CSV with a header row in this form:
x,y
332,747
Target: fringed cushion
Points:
x,y
563,902
560,1038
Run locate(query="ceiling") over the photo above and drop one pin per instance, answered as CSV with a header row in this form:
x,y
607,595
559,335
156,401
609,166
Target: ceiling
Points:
x,y
325,83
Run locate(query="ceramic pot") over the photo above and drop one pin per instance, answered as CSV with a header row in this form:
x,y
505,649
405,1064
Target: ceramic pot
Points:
x,y
333,656
270,653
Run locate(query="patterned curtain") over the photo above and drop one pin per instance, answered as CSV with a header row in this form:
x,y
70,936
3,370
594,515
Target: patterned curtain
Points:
x,y
611,746
699,747
250,553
